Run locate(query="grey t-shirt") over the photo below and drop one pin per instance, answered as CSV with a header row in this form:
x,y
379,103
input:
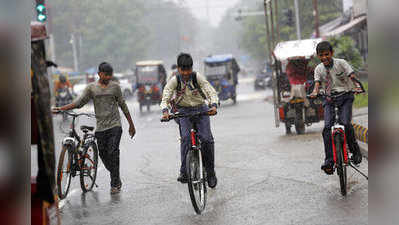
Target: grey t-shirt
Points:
x,y
339,75
106,101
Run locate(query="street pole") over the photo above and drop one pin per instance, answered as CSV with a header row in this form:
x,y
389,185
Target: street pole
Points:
x,y
272,24
75,55
277,25
267,32
316,18
298,27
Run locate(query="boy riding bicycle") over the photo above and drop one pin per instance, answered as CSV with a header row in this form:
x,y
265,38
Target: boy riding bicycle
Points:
x,y
191,89
337,77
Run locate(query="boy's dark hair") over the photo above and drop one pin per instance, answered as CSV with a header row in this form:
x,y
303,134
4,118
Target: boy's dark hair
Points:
x,y
106,68
184,61
324,46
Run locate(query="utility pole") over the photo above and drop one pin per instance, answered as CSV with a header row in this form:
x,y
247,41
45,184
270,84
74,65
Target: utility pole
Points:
x,y
267,32
75,55
277,25
272,24
298,27
316,18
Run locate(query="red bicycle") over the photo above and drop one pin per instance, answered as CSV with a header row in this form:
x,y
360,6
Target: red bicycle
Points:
x,y
339,144
194,164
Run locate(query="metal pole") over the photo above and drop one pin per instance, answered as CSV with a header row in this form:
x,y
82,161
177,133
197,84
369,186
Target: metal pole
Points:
x,y
267,33
316,18
298,27
75,55
272,24
277,25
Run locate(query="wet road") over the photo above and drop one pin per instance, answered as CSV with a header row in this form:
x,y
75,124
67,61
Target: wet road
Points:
x,y
264,176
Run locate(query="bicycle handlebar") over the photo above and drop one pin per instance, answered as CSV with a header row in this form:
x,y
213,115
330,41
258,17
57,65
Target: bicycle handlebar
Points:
x,y
178,115
334,96
75,114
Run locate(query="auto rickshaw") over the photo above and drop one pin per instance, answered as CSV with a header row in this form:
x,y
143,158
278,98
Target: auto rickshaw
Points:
x,y
292,81
221,71
150,79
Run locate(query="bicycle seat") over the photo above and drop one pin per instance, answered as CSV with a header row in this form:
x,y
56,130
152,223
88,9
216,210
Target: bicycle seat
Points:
x,y
87,128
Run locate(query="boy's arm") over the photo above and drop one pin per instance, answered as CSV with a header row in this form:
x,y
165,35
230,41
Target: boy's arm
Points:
x,y
79,103
317,79
125,110
210,92
170,87
351,74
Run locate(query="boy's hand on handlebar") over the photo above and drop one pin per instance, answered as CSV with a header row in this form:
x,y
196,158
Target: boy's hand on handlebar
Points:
x,y
165,116
358,90
56,109
212,111
313,95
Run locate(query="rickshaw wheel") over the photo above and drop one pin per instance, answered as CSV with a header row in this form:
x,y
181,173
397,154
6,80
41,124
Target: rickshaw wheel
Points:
x,y
141,107
287,128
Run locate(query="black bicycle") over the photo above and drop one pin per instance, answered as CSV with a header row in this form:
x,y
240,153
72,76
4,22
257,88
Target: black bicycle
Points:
x,y
79,155
339,143
194,164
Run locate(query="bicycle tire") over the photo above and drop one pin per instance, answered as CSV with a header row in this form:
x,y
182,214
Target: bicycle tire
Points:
x,y
196,185
89,162
62,189
341,168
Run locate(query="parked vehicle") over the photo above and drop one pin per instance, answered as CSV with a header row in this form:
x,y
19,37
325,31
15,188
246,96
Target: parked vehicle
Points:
x,y
221,71
150,79
293,78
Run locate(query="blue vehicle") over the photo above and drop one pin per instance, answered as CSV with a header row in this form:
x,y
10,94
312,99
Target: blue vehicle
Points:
x,y
221,71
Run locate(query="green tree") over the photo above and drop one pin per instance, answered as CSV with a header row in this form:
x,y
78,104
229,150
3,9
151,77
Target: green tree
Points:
x,y
119,31
345,48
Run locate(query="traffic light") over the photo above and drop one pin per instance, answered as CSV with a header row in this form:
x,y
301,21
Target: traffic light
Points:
x,y
41,11
289,20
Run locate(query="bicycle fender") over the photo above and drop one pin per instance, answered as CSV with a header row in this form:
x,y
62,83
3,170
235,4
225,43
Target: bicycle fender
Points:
x,y
68,141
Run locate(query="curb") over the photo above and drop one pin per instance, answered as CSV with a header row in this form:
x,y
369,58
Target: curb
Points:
x,y
361,133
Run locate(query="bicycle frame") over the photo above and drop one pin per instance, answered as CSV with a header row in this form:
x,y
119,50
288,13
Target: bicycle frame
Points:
x,y
196,146
334,130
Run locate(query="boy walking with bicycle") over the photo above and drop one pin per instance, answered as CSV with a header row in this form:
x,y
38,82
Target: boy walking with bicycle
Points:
x,y
191,90
106,96
338,78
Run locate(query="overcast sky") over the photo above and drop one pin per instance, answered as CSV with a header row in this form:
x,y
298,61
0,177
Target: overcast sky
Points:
x,y
217,8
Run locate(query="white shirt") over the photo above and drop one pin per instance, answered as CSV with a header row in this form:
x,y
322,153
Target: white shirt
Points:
x,y
339,80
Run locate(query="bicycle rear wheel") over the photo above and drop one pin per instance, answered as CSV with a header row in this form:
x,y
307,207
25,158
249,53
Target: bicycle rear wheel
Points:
x,y
64,171
88,167
341,167
196,180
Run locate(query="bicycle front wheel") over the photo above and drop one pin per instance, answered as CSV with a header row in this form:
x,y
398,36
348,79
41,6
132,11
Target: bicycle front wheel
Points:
x,y
88,167
196,180
64,171
341,167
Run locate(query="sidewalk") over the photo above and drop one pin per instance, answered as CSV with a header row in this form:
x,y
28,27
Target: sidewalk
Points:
x,y
361,117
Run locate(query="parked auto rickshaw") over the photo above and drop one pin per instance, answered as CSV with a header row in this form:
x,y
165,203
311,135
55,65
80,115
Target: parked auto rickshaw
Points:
x,y
150,79
221,71
292,81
